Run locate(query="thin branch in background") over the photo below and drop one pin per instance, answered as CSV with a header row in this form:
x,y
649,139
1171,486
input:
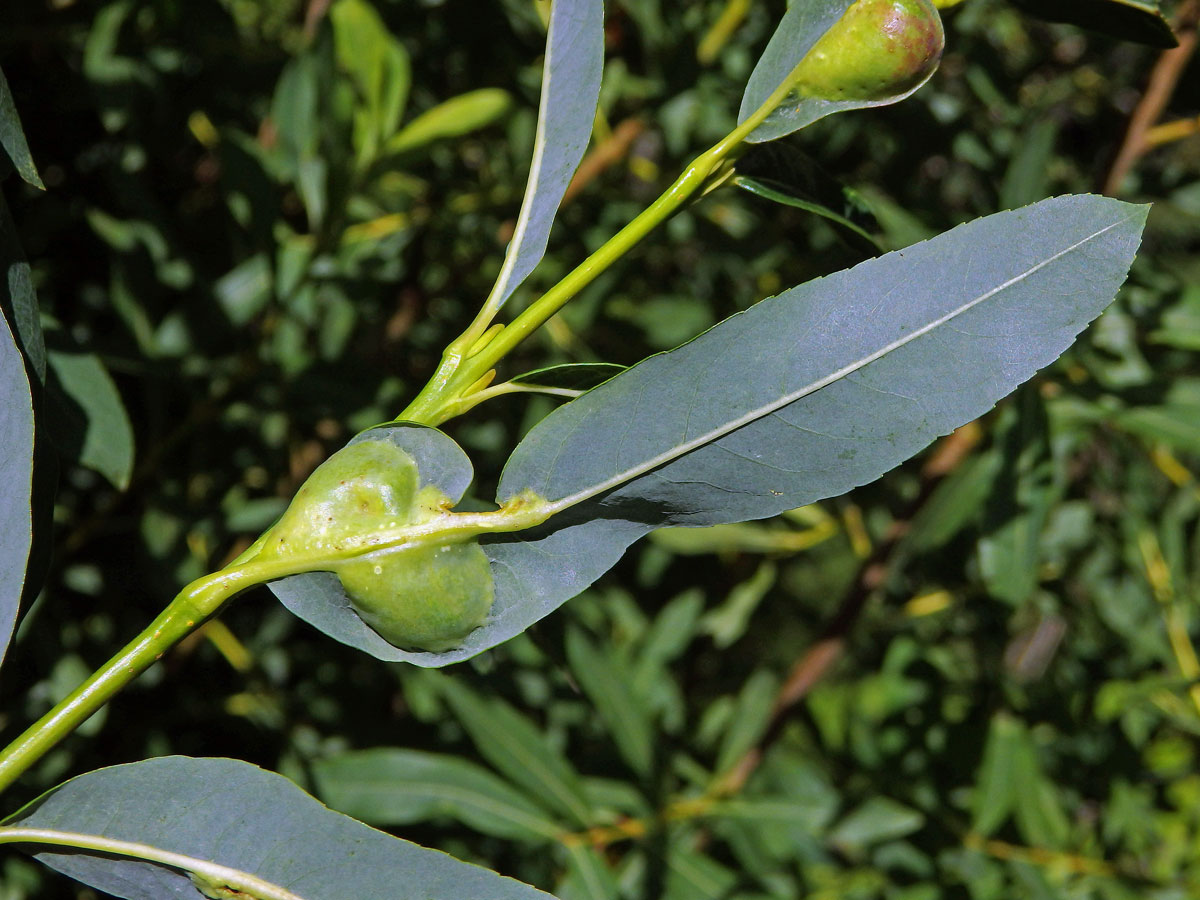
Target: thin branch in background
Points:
x,y
1175,612
1172,131
1163,79
1043,858
312,16
722,30
607,153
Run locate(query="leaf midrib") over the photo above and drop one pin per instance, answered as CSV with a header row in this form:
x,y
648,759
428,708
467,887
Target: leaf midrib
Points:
x,y
217,873
680,450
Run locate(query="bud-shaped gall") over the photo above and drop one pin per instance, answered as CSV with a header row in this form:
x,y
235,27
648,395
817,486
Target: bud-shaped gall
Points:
x,y
877,50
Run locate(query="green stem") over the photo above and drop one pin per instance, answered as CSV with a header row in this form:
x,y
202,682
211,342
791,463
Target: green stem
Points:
x,y
191,606
460,368
203,597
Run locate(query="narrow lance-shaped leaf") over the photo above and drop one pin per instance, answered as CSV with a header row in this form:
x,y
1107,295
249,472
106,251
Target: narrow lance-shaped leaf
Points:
x,y
876,820
17,296
515,747
803,396
609,688
16,469
86,417
396,786
780,193
452,118
12,137
379,67
997,784
588,875
1014,516
570,91
182,827
570,376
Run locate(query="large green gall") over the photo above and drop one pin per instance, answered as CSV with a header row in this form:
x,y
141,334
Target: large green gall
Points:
x,y
425,598
878,49
428,596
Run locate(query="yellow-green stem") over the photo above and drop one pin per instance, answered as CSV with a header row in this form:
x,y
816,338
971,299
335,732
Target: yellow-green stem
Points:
x,y
190,608
459,368
203,597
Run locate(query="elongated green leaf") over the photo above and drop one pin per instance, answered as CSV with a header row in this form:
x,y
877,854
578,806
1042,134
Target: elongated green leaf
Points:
x,y
12,137
805,395
138,831
998,787
571,376
878,819
570,92
667,637
1040,817
771,813
1011,783
1027,177
244,290
16,470
87,418
390,786
611,693
777,192
17,297
516,748
1176,425
455,117
780,171
294,111
790,779
729,621
318,597
1127,20
379,67
801,27
691,873
1180,323
751,716
865,366
1018,508
954,503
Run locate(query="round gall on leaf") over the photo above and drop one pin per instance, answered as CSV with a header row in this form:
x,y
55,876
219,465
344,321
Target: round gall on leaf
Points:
x,y
878,49
425,597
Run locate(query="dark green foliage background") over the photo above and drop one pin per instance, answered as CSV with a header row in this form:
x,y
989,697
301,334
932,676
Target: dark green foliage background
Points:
x,y
1038,703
